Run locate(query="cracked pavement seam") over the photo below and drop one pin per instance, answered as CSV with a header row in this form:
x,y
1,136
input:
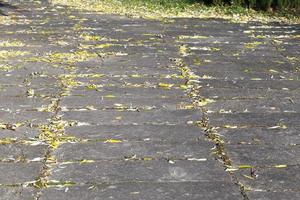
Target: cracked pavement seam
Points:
x,y
193,90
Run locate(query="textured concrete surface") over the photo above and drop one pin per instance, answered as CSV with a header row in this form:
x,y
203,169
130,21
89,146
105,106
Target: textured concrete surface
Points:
x,y
96,106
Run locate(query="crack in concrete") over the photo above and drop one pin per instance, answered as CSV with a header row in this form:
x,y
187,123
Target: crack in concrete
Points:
x,y
194,92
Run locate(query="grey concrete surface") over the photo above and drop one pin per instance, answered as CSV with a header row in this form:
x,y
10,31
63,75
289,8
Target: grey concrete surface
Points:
x,y
96,106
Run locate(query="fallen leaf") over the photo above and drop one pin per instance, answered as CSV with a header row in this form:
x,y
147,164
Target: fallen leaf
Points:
x,y
245,166
86,161
112,141
280,166
165,85
249,177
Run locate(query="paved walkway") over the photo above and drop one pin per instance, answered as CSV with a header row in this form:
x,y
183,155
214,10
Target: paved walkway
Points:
x,y
106,107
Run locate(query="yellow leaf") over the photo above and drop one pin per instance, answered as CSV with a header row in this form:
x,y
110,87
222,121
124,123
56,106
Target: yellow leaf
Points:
x,y
90,107
279,126
206,77
102,46
188,107
204,102
280,166
252,45
147,158
185,106
183,50
110,96
273,71
245,166
135,76
6,141
231,169
91,87
249,177
165,85
184,87
112,141
230,126
30,93
54,144
86,161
